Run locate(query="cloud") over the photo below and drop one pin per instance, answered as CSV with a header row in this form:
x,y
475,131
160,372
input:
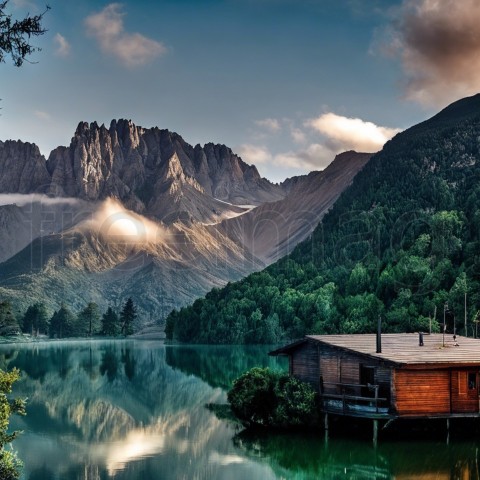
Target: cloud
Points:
x,y
62,46
42,115
438,42
297,135
23,4
22,199
314,157
335,134
270,124
130,49
343,133
255,154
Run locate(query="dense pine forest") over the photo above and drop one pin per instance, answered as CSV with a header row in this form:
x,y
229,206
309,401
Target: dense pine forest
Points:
x,y
402,242
64,323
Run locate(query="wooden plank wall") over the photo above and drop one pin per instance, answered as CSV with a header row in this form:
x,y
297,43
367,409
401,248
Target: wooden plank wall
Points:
x,y
311,361
350,374
383,378
338,366
422,392
349,369
305,364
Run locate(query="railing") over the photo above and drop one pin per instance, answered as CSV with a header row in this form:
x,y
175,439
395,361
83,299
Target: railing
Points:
x,y
350,402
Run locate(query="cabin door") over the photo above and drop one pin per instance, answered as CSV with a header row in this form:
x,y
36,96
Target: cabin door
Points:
x,y
367,377
464,391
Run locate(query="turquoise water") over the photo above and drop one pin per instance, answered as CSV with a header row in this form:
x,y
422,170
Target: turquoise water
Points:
x,y
136,410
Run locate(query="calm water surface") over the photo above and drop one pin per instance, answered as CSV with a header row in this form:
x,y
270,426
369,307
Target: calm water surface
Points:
x,y
136,410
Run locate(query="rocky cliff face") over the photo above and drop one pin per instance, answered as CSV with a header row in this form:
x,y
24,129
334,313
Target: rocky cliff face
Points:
x,y
143,166
22,168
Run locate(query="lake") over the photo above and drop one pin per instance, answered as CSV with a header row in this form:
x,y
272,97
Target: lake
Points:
x,y
136,410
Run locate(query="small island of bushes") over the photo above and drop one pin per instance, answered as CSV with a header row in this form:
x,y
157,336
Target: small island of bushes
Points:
x,y
263,398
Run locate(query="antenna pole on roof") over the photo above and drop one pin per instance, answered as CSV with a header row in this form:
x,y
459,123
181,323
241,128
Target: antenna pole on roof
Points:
x,y
379,334
445,308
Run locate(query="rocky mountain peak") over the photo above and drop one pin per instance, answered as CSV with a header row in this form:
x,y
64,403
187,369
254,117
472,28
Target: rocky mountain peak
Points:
x,y
177,177
82,129
174,169
138,166
127,133
130,162
22,168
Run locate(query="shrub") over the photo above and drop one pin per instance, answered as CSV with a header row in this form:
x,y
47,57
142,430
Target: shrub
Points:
x,y
296,403
252,396
9,463
264,398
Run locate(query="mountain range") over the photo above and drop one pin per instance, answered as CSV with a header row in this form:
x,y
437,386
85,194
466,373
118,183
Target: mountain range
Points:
x,y
128,211
401,242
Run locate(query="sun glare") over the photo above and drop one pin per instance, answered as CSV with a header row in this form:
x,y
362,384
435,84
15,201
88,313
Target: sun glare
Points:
x,y
113,222
118,221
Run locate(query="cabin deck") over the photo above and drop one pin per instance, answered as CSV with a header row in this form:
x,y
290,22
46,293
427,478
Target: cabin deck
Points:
x,y
372,407
337,405
346,401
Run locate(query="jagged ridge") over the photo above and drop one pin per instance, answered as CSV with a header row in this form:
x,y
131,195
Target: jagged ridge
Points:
x,y
144,168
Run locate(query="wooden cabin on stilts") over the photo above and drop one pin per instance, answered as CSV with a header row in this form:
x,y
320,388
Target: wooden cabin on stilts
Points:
x,y
390,376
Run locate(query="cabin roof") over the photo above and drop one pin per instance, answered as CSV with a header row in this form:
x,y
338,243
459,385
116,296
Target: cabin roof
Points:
x,y
401,348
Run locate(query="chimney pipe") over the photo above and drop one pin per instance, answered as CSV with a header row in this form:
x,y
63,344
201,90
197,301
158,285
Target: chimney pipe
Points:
x,y
420,339
379,335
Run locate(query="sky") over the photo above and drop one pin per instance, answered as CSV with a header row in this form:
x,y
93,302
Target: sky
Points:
x,y
287,84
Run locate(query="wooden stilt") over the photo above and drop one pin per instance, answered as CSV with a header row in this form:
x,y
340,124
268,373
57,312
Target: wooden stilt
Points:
x,y
326,427
448,431
375,433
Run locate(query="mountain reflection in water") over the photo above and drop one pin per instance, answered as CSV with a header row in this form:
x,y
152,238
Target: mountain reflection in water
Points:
x,y
136,410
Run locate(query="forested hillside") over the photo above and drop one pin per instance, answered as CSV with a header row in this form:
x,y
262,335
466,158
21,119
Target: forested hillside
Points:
x,y
401,242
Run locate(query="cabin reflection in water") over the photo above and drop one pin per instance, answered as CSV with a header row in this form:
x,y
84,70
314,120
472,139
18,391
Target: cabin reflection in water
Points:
x,y
390,377
458,462
307,455
458,471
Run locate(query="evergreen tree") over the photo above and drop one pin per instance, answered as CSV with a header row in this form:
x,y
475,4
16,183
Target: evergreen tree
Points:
x,y
127,317
8,322
110,323
62,323
15,35
89,320
35,320
15,38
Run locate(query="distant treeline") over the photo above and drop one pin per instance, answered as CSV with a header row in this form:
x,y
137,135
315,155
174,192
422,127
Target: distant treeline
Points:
x,y
403,243
64,323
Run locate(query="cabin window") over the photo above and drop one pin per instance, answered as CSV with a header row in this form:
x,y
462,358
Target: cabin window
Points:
x,y
472,381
